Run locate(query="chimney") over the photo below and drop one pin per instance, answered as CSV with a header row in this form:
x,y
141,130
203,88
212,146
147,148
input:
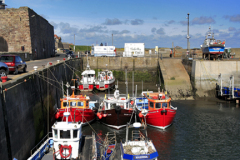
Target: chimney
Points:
x,y
2,4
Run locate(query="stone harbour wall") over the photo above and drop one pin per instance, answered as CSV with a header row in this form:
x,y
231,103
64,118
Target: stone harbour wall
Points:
x,y
24,105
22,28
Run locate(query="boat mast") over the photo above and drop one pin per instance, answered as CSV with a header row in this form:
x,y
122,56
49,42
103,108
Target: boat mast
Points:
x,y
126,81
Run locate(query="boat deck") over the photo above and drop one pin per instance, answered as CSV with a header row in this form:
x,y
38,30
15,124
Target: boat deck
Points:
x,y
85,152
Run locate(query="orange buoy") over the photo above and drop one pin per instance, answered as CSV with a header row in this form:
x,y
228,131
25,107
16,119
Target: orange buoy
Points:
x,y
100,116
140,115
104,115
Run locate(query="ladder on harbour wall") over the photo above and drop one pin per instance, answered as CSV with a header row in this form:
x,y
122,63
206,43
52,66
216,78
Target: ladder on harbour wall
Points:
x,y
230,91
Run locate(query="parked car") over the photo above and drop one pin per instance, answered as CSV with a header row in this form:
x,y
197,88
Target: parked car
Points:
x,y
3,69
14,63
70,54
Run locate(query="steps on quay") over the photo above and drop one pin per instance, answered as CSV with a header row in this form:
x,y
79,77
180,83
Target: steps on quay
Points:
x,y
176,79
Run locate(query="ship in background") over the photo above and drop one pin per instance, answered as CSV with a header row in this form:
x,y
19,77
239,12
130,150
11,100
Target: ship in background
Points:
x,y
212,48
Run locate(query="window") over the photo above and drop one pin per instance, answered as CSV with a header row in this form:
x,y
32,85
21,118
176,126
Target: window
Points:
x,y
20,59
73,104
80,103
65,134
164,105
6,59
158,105
151,104
65,104
75,133
55,133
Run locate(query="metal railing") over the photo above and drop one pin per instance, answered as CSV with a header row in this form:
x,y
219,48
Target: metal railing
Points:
x,y
41,142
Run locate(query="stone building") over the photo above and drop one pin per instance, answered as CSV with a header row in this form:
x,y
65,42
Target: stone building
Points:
x,y
23,30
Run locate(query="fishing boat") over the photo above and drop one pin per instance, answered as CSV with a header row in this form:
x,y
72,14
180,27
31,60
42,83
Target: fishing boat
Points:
x,y
79,108
108,148
105,80
139,147
211,47
159,113
88,79
116,110
64,143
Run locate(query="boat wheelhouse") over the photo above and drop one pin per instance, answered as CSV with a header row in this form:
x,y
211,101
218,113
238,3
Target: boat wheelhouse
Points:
x,y
105,80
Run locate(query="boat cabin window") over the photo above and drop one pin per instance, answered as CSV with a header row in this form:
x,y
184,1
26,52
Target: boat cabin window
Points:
x,y
75,133
55,132
151,104
73,104
80,103
164,105
157,105
65,104
109,74
65,134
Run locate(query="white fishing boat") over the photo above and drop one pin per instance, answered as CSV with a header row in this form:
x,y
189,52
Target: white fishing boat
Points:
x,y
88,79
105,80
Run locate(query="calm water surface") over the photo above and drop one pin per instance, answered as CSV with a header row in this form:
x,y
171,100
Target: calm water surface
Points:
x,y
202,129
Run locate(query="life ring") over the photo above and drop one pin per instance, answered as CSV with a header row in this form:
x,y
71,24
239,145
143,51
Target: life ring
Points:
x,y
65,147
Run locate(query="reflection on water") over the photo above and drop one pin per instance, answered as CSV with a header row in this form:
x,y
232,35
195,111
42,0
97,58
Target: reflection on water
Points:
x,y
202,129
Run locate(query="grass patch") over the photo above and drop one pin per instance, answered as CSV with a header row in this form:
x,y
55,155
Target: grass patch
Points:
x,y
172,78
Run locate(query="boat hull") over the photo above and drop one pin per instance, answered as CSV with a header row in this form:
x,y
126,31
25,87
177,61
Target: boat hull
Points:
x,y
88,87
116,119
216,50
84,115
106,86
160,118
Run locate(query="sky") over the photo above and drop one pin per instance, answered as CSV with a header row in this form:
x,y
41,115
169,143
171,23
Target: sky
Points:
x,y
153,22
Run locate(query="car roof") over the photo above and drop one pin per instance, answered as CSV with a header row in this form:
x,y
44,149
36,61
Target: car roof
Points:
x,y
8,55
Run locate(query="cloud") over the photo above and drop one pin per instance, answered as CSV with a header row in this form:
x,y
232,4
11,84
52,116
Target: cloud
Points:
x,y
122,32
65,28
199,21
114,21
171,22
55,25
160,31
137,22
153,30
203,20
231,29
183,23
98,28
234,18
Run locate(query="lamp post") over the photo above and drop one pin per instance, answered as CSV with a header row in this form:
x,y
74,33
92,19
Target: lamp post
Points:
x,y
188,45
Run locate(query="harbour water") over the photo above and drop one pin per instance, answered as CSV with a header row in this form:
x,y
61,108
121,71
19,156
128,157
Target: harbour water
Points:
x,y
202,129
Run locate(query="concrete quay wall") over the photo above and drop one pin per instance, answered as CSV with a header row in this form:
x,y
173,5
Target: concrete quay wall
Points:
x,y
23,107
205,75
121,63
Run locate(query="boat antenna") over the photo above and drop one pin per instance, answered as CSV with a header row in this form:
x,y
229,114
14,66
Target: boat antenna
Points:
x,y
133,83
62,89
126,81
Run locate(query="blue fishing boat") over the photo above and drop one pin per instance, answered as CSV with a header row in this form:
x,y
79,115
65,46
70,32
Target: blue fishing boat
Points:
x,y
211,47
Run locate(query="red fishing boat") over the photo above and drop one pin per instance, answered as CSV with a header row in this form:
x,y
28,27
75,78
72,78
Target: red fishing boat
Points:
x,y
78,107
159,113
